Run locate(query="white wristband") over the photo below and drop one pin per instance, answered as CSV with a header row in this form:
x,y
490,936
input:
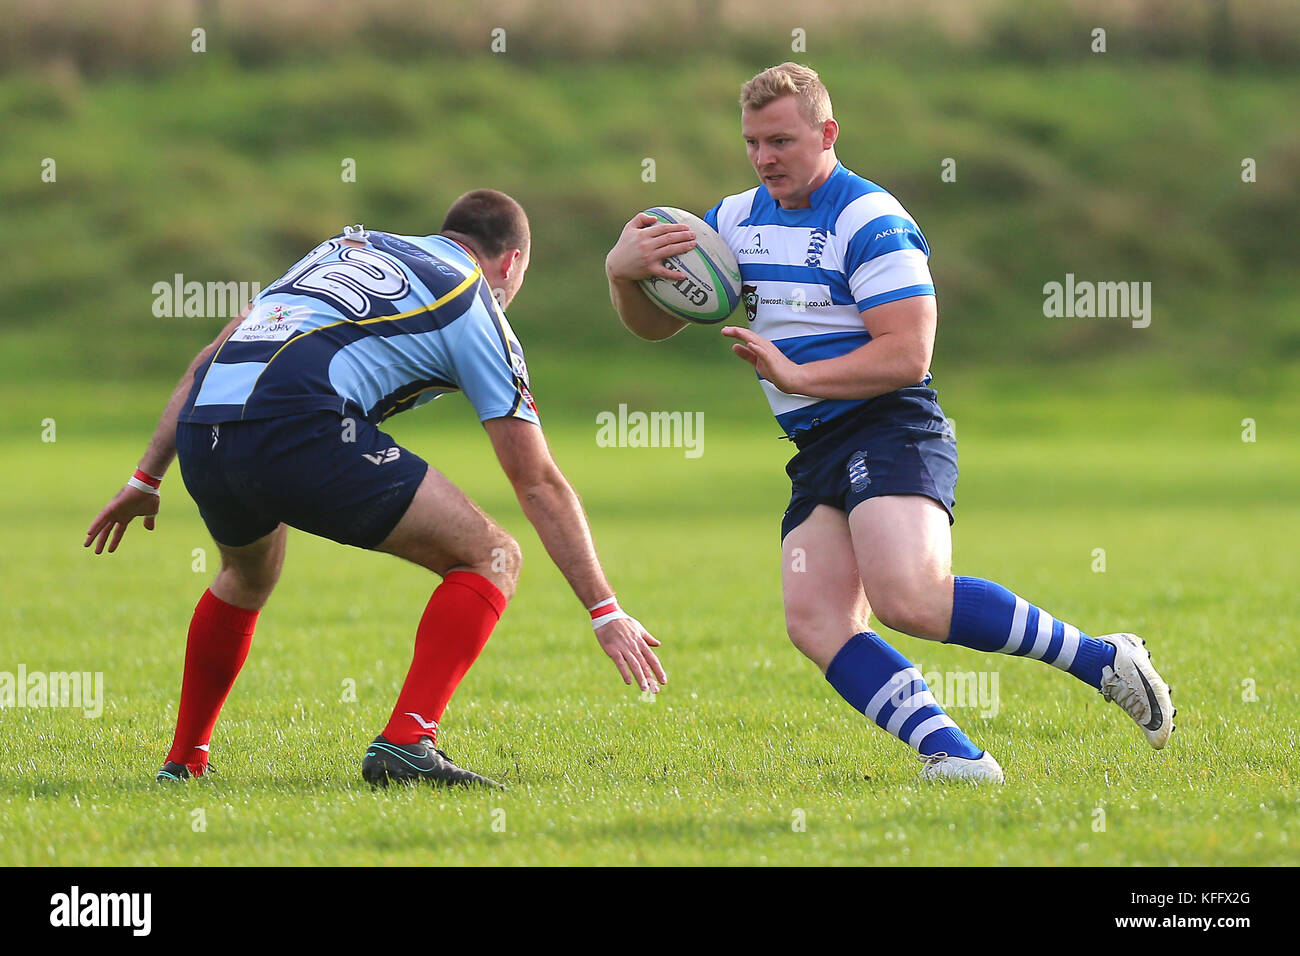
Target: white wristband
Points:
x,y
139,485
607,611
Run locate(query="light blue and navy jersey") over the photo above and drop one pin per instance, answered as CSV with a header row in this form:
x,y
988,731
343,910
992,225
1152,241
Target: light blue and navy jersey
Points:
x,y
808,274
368,331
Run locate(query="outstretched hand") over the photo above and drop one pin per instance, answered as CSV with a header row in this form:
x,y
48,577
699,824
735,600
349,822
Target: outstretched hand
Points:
x,y
628,645
767,359
110,524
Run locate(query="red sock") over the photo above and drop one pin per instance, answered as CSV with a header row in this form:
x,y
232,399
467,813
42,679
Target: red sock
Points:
x,y
456,624
220,635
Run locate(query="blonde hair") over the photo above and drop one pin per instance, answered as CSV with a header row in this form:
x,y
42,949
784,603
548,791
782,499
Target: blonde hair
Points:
x,y
789,79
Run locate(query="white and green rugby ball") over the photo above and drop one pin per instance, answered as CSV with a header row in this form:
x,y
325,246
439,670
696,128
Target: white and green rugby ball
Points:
x,y
711,290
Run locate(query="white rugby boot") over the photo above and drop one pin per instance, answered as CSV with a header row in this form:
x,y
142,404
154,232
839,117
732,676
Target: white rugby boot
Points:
x,y
940,766
1134,684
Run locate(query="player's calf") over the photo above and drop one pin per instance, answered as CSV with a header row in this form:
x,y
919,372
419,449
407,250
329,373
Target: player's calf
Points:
x,y
988,617
882,684
220,636
453,630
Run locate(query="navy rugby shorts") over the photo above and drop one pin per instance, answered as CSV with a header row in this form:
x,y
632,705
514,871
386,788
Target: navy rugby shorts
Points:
x,y
897,444
249,476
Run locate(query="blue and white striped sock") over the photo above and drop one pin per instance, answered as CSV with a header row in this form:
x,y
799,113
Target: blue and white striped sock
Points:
x,y
988,617
881,683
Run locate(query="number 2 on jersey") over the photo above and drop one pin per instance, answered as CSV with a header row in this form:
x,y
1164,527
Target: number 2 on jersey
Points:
x,y
352,282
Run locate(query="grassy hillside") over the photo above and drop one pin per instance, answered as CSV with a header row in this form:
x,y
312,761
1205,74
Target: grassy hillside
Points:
x,y
1108,170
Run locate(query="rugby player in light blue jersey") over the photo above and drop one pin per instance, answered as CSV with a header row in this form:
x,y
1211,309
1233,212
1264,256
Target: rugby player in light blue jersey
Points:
x,y
837,290
275,425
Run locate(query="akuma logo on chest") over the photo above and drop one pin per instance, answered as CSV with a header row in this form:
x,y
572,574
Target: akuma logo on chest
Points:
x,y
755,248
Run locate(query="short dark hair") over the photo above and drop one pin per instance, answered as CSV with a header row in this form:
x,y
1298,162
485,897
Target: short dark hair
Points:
x,y
493,220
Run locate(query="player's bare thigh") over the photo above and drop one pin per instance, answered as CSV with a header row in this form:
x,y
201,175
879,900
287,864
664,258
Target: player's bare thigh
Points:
x,y
249,573
824,601
444,531
904,555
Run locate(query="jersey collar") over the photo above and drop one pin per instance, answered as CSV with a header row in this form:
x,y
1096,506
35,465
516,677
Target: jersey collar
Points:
x,y
468,251
820,196
823,192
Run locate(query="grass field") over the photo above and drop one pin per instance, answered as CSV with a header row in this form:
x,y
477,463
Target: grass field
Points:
x,y
747,740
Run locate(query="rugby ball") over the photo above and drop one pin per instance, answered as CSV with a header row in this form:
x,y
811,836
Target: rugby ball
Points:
x,y
711,290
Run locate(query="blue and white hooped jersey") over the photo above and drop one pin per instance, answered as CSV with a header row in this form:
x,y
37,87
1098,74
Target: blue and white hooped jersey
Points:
x,y
380,329
808,274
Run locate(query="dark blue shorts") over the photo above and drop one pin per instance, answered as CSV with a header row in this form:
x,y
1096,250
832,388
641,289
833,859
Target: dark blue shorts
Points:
x,y
340,478
898,444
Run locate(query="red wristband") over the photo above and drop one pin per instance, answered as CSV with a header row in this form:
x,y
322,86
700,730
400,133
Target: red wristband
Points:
x,y
148,479
606,611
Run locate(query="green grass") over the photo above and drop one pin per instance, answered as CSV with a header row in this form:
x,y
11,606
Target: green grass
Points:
x,y
1198,529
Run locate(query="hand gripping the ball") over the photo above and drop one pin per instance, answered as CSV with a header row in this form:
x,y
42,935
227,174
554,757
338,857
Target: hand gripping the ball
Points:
x,y
643,246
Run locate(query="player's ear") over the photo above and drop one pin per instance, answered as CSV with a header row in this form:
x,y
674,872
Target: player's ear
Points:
x,y
509,261
830,133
